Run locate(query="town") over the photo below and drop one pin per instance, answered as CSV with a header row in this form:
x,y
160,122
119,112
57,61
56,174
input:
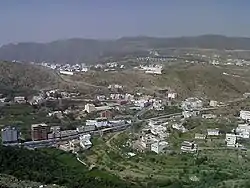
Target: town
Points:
x,y
119,111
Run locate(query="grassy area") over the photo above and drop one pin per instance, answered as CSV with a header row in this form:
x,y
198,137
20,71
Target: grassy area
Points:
x,y
213,168
167,110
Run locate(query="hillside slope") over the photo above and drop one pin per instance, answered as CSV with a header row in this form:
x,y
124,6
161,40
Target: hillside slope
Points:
x,y
207,81
15,76
89,50
219,82
7,181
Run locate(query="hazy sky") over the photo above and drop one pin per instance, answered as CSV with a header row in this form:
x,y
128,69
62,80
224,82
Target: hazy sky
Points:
x,y
47,20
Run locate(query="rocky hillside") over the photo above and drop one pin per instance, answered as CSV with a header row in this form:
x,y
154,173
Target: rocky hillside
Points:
x,y
16,76
215,82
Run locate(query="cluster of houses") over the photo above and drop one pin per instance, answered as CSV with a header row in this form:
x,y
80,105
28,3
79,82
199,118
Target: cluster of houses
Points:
x,y
153,138
83,142
66,69
152,69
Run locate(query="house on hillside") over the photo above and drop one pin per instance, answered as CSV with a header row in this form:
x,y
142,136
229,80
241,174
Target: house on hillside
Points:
x,y
213,132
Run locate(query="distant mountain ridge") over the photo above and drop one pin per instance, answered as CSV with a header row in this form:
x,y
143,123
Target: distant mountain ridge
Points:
x,y
77,50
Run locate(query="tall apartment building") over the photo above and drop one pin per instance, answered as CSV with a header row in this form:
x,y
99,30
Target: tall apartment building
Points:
x,y
9,135
39,131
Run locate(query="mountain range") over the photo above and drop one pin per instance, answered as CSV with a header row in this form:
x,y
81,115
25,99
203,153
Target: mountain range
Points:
x,y
79,50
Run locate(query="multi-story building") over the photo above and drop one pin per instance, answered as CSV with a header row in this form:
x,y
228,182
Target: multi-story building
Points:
x,y
189,147
231,140
39,131
9,135
159,147
85,142
90,108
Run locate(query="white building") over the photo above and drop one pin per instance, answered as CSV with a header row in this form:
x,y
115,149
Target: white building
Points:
x,y
172,95
90,108
208,116
192,104
188,147
85,142
157,105
147,140
158,147
179,127
199,136
188,114
152,69
155,70
74,145
243,130
213,103
213,132
101,97
231,140
19,100
141,103
85,69
66,72
245,115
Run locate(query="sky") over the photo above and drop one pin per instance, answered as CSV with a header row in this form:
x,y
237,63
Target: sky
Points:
x,y
48,20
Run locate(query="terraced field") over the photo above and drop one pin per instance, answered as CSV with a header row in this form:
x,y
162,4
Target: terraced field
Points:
x,y
209,168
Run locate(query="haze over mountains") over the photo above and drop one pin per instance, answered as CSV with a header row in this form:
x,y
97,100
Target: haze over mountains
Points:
x,y
89,50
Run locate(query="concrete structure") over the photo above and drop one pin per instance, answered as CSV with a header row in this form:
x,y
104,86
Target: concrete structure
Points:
x,y
67,133
147,140
55,132
213,103
231,140
159,146
67,73
141,103
213,132
103,108
189,147
157,105
9,135
199,136
85,142
172,96
243,130
179,127
74,145
39,131
192,104
20,100
208,116
188,114
152,69
101,97
90,108
90,125
36,100
245,115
